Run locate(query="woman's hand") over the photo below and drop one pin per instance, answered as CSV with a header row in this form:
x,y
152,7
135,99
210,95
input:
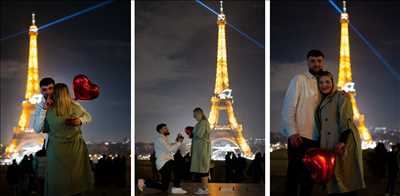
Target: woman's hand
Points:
x,y
73,121
340,148
295,140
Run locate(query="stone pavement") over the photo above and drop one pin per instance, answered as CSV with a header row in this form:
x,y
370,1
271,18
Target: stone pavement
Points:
x,y
215,189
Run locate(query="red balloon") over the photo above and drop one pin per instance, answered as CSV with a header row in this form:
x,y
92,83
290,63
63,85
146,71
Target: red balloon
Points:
x,y
321,164
84,89
189,131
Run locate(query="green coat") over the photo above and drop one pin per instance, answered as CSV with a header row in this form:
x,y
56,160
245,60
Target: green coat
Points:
x,y
69,171
335,115
201,148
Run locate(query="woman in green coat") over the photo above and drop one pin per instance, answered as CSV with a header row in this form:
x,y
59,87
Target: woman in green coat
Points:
x,y
69,171
338,133
201,149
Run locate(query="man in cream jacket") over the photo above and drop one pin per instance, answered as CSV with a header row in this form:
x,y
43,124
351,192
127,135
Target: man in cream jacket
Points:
x,y
301,99
165,162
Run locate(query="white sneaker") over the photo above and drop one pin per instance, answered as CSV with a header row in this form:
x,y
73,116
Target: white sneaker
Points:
x,y
178,190
201,191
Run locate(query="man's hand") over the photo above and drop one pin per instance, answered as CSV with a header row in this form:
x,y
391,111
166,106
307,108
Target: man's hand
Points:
x,y
339,149
73,121
179,138
49,102
295,140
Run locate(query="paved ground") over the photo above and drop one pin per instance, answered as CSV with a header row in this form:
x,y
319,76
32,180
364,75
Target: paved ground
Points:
x,y
374,188
215,189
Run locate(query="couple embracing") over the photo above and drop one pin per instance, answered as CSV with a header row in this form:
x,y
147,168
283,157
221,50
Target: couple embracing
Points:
x,y
68,171
317,115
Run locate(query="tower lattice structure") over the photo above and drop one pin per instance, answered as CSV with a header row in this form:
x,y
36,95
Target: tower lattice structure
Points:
x,y
24,138
222,99
345,81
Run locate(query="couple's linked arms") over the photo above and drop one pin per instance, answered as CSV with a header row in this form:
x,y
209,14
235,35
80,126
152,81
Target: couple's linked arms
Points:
x,y
40,116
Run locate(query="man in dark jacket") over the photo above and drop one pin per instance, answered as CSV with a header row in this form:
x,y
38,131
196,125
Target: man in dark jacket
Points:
x,y
393,169
13,174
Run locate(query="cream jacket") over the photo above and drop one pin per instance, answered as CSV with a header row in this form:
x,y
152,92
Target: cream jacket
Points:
x,y
301,100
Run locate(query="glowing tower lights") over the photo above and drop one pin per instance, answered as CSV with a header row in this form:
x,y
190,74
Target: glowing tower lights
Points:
x,y
230,135
25,140
345,80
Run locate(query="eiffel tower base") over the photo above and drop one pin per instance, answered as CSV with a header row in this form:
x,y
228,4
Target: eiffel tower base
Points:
x,y
24,143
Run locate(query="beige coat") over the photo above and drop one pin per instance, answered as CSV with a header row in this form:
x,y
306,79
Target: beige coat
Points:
x,y
333,116
69,171
201,148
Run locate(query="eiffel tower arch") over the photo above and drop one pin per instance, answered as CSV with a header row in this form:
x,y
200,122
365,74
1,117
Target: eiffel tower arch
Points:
x,y
229,136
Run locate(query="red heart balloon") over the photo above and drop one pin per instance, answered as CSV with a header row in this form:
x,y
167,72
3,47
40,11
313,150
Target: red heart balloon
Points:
x,y
189,131
321,164
84,89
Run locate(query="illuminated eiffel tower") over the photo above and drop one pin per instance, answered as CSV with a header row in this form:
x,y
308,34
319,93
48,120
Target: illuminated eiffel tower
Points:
x,y
25,140
224,137
345,81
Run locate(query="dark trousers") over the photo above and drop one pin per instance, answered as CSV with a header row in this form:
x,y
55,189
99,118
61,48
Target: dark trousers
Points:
x,y
391,185
179,163
166,172
298,178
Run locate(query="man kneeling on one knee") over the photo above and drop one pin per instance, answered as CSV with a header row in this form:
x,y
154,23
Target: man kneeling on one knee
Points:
x,y
165,163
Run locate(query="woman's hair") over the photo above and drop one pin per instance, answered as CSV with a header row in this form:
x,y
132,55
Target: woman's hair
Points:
x,y
201,111
62,100
326,73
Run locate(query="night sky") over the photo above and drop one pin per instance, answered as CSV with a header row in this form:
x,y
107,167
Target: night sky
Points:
x,y
175,64
298,27
96,44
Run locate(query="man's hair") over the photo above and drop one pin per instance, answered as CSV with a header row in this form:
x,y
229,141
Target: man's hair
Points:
x,y
315,53
46,81
160,126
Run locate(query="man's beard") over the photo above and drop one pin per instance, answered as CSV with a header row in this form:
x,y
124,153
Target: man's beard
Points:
x,y
166,134
315,73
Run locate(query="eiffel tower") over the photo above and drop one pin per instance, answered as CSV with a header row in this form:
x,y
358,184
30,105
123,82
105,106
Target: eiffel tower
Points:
x,y
25,140
230,134
345,81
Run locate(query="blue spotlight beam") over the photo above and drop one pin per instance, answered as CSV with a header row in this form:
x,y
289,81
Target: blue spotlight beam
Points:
x,y
91,8
258,44
13,35
75,14
369,45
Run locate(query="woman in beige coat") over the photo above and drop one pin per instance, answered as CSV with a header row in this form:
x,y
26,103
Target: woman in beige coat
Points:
x,y
201,150
69,171
338,133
